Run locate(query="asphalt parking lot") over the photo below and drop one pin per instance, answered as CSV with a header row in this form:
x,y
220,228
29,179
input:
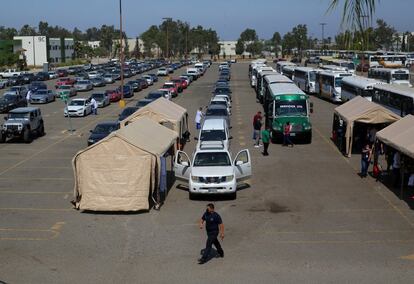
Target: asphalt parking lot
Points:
x,y
306,216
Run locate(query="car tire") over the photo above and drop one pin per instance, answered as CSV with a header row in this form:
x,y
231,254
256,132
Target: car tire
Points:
x,y
2,138
84,113
41,131
309,138
27,137
191,196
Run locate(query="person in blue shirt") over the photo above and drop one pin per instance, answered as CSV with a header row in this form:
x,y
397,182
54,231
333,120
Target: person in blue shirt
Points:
x,y
214,226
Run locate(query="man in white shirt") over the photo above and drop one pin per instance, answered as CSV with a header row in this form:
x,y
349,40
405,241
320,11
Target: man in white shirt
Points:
x,y
94,106
198,117
28,96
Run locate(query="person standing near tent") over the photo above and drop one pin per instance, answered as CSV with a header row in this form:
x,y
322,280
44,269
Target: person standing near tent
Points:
x,y
365,159
198,118
214,226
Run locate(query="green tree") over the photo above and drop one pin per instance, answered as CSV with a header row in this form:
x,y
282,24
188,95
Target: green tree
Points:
x,y
355,13
276,42
239,47
383,35
7,33
27,30
150,38
255,48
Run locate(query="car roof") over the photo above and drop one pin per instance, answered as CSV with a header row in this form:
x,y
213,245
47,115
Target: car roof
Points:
x,y
80,99
23,109
109,122
214,123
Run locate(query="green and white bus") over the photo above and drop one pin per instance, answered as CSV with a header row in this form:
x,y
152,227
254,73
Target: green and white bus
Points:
x,y
285,102
269,80
260,79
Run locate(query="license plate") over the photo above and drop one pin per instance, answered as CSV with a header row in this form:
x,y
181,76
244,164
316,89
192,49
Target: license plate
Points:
x,y
292,134
212,190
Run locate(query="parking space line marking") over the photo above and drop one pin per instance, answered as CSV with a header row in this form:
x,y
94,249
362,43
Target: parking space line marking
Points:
x,y
33,192
36,209
54,230
373,186
242,143
36,178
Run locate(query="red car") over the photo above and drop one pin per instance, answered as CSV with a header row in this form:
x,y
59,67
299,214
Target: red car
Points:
x,y
181,84
114,95
172,87
62,73
65,81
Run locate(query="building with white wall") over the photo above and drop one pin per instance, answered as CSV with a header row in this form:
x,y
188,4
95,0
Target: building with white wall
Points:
x,y
227,48
94,44
41,49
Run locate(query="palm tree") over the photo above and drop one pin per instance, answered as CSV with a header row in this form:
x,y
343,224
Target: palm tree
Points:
x,y
356,14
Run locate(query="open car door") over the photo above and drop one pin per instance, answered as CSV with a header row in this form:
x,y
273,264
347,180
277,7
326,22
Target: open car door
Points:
x,y
242,165
182,166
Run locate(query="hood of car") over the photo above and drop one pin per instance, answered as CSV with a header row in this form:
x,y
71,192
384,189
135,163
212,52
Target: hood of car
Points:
x,y
97,136
212,171
75,107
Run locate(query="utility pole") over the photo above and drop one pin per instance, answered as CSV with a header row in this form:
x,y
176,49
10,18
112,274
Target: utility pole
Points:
x,y
168,19
323,34
121,55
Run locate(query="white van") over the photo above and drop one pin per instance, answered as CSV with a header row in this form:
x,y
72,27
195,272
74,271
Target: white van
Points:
x,y
214,129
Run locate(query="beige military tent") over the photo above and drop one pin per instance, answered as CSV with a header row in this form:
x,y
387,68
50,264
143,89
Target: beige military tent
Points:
x,y
164,112
361,110
121,171
400,135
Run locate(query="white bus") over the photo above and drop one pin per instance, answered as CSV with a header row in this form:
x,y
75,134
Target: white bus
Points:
x,y
391,76
288,71
255,71
261,62
335,68
328,84
397,98
280,64
260,78
388,61
354,86
305,79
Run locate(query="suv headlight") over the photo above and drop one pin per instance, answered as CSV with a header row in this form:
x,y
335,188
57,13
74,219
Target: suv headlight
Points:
x,y
228,178
19,127
307,126
195,178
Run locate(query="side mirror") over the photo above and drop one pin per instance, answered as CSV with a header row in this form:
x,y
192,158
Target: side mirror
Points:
x,y
239,163
5,118
185,164
90,131
230,137
196,138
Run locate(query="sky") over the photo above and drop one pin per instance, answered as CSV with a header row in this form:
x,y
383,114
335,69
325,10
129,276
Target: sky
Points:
x,y
228,17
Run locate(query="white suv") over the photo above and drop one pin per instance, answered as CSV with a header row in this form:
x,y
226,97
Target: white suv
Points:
x,y
212,171
214,129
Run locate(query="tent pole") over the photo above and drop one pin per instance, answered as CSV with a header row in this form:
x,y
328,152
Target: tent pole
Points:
x,y
402,169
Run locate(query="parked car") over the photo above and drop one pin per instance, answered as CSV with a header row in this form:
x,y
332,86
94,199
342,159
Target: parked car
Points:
x,y
35,85
23,122
135,85
154,77
172,87
28,78
93,74
98,82
114,95
143,83
21,90
65,81
149,79
16,80
42,96
143,102
78,107
154,95
83,85
218,111
179,83
167,93
42,76
126,112
127,90
53,74
162,71
102,130
109,78
101,98
62,72
4,83
11,101
66,90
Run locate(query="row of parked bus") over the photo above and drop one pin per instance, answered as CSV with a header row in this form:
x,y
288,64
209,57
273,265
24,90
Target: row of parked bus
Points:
x,y
283,102
388,87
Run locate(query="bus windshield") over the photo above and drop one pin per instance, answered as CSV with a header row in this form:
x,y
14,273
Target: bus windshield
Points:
x,y
400,76
291,108
312,76
338,81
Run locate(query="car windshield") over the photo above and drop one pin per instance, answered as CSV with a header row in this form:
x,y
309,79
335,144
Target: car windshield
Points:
x,y
154,95
142,103
216,112
222,91
212,135
98,96
9,97
167,86
18,115
218,103
211,159
128,111
77,103
296,107
41,92
105,128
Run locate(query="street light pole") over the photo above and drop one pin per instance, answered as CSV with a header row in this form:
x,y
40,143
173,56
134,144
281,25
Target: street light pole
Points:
x,y
121,55
168,19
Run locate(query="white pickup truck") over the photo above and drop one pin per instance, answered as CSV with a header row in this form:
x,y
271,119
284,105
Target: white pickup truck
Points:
x,y
9,73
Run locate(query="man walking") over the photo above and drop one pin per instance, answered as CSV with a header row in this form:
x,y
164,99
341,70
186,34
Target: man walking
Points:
x,y
265,140
257,116
257,129
365,160
28,96
198,117
286,134
214,227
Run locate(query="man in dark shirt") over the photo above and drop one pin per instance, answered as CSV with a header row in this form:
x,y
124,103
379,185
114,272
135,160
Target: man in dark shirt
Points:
x,y
214,226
